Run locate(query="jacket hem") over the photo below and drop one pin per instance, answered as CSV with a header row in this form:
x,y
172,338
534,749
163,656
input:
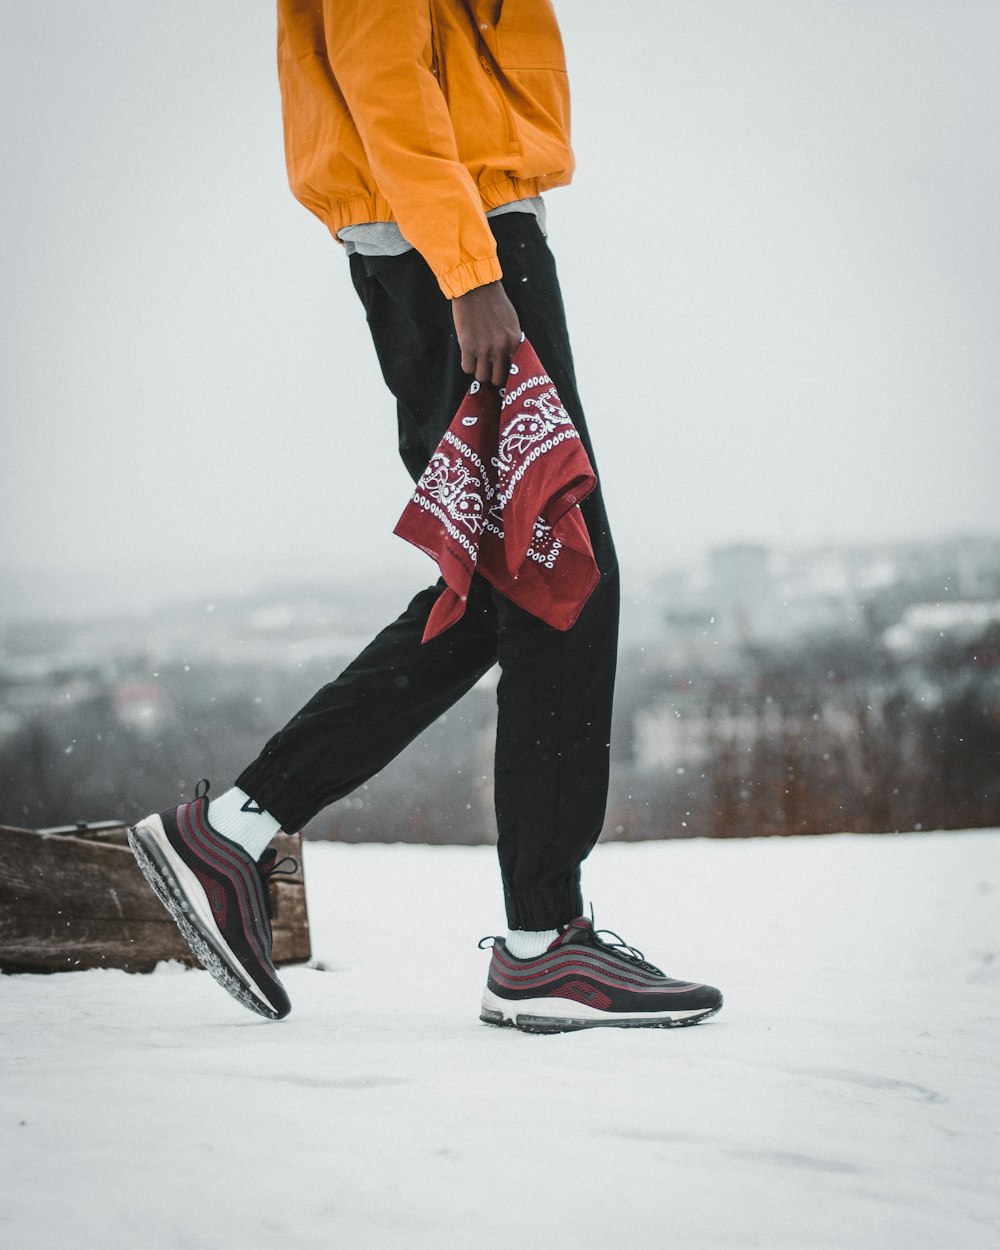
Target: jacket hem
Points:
x,y
471,273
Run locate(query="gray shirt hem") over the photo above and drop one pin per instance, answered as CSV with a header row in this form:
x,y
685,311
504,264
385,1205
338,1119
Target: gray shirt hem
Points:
x,y
384,238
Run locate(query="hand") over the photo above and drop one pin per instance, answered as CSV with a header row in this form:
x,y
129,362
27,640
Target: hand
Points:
x,y
488,332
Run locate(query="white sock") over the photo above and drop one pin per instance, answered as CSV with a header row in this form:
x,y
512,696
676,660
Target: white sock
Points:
x,y
239,818
530,943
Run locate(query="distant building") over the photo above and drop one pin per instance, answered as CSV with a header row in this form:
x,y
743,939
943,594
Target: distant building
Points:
x,y
141,706
926,626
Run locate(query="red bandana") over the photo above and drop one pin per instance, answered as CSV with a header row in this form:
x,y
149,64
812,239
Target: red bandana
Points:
x,y
500,495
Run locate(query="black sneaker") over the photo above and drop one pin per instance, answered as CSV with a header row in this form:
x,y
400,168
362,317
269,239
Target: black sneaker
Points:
x,y
584,982
218,897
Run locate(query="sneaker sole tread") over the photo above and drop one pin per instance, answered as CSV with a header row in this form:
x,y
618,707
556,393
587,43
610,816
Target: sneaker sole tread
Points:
x,y
537,1021
204,946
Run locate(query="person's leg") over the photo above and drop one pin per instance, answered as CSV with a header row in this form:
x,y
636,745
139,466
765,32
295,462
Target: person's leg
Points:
x,y
556,687
553,749
214,880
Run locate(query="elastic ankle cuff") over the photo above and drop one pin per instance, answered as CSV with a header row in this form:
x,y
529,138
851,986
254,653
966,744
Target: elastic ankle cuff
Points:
x,y
544,906
272,792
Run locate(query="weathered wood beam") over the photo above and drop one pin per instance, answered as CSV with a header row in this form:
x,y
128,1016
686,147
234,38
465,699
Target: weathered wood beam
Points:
x,y
69,902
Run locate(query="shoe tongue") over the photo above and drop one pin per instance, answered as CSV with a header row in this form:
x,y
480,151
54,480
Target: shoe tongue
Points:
x,y
579,931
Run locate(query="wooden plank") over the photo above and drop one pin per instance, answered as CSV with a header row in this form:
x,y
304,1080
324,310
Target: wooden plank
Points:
x,y
80,901
71,944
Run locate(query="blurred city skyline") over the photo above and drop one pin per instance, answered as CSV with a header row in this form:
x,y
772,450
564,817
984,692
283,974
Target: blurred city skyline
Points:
x,y
761,691
779,257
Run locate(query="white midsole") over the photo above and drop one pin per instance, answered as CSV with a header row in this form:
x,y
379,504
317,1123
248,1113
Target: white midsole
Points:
x,y
194,891
569,1009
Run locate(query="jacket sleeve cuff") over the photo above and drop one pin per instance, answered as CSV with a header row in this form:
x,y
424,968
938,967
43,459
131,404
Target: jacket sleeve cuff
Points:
x,y
469,275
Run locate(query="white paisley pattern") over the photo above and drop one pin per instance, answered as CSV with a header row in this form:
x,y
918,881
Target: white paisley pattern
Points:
x,y
471,496
452,482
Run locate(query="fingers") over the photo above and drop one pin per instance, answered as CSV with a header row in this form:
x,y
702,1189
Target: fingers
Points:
x,y
486,365
488,332
479,365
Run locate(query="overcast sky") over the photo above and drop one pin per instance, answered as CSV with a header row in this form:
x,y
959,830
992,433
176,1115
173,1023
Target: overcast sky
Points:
x,y
780,259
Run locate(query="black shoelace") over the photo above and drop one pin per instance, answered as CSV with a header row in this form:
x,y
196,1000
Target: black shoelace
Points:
x,y
271,866
632,953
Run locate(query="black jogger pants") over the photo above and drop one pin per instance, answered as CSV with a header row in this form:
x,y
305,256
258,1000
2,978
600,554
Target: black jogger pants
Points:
x,y
555,689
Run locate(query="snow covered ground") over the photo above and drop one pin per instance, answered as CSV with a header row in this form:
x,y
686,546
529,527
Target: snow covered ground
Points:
x,y
846,1096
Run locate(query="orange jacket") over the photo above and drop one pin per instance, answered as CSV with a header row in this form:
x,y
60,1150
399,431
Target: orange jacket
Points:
x,y
427,113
